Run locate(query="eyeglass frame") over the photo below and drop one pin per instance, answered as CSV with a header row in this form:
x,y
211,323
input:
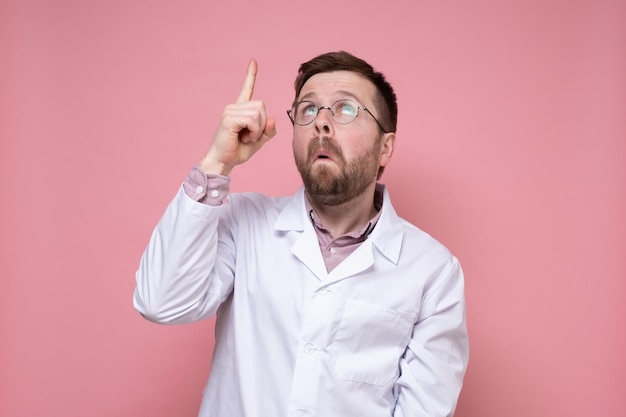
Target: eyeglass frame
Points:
x,y
329,108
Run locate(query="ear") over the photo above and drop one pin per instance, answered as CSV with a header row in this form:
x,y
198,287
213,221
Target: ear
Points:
x,y
386,148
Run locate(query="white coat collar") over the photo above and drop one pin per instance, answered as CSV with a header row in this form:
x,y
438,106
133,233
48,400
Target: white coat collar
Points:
x,y
387,235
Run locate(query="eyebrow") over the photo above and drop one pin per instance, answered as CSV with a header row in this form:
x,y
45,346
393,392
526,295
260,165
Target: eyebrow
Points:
x,y
342,93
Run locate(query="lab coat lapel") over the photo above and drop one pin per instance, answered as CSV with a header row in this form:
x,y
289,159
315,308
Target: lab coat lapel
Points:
x,y
306,247
358,261
307,250
386,238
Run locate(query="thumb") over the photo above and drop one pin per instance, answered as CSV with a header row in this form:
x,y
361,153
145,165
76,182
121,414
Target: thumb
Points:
x,y
270,128
268,133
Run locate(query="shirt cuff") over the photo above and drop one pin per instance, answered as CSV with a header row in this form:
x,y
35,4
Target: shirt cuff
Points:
x,y
210,189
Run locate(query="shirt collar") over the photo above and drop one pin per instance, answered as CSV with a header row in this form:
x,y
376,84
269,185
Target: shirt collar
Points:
x,y
359,234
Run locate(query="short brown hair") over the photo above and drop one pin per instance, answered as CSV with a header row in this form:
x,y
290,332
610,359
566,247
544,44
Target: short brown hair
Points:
x,y
344,61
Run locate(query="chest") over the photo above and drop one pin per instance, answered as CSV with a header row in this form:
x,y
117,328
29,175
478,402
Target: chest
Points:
x,y
285,286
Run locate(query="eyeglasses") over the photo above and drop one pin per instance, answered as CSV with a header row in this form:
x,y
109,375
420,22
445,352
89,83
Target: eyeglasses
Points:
x,y
343,112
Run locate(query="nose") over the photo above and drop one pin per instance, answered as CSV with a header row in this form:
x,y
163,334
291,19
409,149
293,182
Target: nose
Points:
x,y
323,121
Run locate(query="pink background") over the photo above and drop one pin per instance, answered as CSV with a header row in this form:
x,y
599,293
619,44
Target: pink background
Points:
x,y
511,150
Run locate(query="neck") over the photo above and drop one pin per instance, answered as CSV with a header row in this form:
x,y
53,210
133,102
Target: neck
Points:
x,y
351,216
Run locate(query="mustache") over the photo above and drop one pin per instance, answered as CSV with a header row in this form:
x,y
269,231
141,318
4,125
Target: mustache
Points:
x,y
327,144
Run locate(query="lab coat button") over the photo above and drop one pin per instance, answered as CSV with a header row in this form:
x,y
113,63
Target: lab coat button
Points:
x,y
309,348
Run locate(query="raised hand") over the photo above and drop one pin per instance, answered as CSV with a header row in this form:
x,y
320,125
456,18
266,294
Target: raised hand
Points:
x,y
244,128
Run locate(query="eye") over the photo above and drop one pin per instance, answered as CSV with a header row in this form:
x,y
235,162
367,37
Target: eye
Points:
x,y
307,108
346,108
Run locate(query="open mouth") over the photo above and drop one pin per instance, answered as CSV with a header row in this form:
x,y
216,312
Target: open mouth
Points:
x,y
322,155
322,158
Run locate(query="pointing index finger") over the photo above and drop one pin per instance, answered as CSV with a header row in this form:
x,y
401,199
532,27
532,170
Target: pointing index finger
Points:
x,y
248,84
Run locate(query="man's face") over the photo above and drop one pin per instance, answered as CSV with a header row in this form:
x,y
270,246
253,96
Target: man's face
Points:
x,y
339,162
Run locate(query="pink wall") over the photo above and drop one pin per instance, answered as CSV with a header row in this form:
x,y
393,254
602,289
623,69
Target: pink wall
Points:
x,y
511,151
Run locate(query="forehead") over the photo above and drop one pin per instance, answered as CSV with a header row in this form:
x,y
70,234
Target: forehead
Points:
x,y
338,84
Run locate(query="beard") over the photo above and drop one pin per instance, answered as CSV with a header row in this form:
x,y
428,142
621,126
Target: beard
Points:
x,y
324,186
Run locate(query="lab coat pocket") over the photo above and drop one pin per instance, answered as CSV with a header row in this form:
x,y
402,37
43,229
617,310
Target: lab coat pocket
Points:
x,y
369,342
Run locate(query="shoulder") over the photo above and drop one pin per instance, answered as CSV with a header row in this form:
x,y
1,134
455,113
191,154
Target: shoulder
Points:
x,y
418,236
253,203
417,244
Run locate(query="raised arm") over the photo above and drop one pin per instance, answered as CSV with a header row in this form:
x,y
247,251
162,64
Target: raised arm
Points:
x,y
244,128
186,270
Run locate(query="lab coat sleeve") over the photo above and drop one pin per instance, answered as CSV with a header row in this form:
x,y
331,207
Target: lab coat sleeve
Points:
x,y
436,358
186,270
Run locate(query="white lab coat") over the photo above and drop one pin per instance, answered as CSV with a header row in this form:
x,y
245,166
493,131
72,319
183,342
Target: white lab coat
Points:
x,y
382,335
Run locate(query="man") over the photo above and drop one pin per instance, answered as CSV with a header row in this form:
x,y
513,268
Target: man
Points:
x,y
328,304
